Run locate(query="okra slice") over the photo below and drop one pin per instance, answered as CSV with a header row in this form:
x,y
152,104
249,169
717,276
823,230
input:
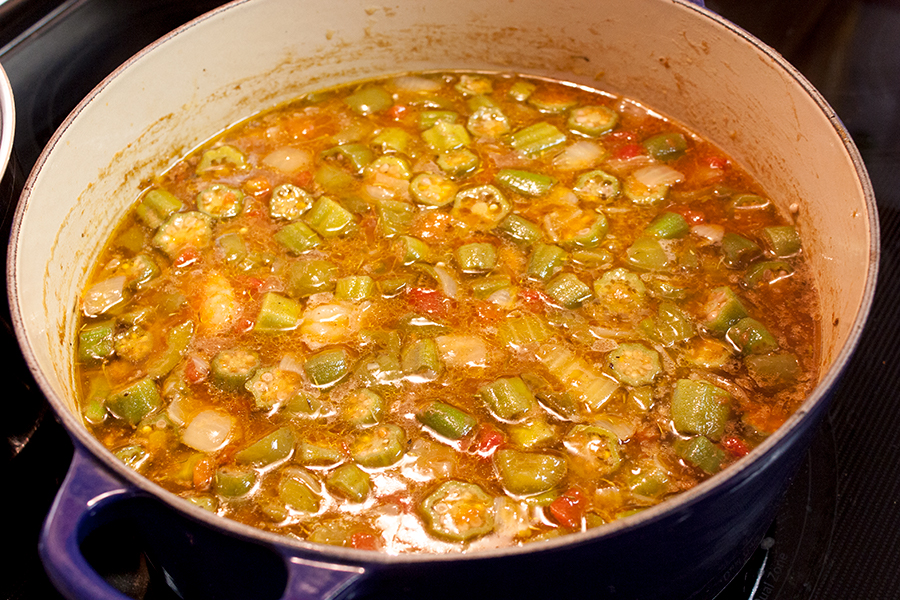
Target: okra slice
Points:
x,y
362,408
597,186
379,446
782,240
220,201
232,368
568,290
526,183
486,286
488,121
393,138
481,207
432,189
354,288
545,261
234,481
134,344
273,387
520,229
221,159
537,139
156,206
634,364
191,229
328,367
508,398
95,342
297,237
444,136
413,250
289,202
647,254
521,90
474,85
595,448
670,325
135,401
278,313
620,291
737,250
370,99
299,490
592,120
350,482
667,226
529,473
666,146
476,257
458,162
317,455
701,453
310,276
458,511
551,102
750,336
329,219
270,448
446,420
773,371
590,236
722,310
700,408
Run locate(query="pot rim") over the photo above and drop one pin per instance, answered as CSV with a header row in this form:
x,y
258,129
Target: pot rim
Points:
x,y
7,120
817,401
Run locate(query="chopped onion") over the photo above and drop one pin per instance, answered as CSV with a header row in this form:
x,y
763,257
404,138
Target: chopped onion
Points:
x,y
102,296
209,431
288,160
290,363
409,83
177,410
460,350
656,175
580,155
448,283
713,233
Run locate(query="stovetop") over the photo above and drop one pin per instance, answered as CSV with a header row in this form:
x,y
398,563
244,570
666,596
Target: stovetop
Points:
x,y
837,534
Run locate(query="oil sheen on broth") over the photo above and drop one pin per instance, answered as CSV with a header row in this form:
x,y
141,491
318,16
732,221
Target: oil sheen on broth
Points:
x,y
445,311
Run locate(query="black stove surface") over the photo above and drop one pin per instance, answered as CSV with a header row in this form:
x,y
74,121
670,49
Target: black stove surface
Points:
x,y
837,534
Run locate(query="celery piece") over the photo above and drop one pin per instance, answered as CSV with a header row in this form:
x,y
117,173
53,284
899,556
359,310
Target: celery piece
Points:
x,y
767,272
178,340
420,357
722,310
97,391
526,183
529,473
95,342
532,433
379,446
333,179
369,99
270,448
521,90
412,323
620,291
458,511
537,139
311,276
299,490
596,447
278,313
135,401
231,368
545,261
221,159
395,217
446,420
432,189
132,239
737,250
568,290
486,286
597,186
578,377
394,285
329,219
350,482
701,453
634,364
750,336
232,481
666,146
413,250
474,85
362,408
773,371
354,288
522,330
298,238
220,201
191,229
476,257
481,207
458,162
444,136
700,408
430,118
272,387
590,236
646,253
393,139
156,206
328,367
520,229
508,398
488,121
289,202
233,248
782,240
667,226
592,120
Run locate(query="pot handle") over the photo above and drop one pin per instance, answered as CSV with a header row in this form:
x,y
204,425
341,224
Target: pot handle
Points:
x,y
86,489
314,580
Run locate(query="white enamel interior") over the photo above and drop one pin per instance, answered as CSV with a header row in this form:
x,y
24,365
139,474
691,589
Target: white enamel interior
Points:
x,y
676,58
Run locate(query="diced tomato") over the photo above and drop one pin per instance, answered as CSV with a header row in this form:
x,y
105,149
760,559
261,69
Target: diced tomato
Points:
x,y
204,470
691,215
187,257
568,509
362,540
534,300
487,439
716,162
736,446
488,312
243,325
434,224
396,112
621,135
302,179
196,369
431,302
628,151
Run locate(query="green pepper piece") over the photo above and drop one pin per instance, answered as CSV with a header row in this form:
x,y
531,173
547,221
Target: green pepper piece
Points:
x,y
667,226
231,368
278,313
545,261
135,401
701,453
178,340
395,217
782,240
648,254
666,146
529,473
568,290
458,511
773,371
476,257
446,420
722,310
156,206
133,455
526,183
750,336
333,179
767,272
299,490
592,120
310,276
220,201
508,398
95,342
271,448
474,85
234,482
532,433
413,250
350,482
634,364
329,219
737,250
379,446
699,407
393,139
354,156
328,367
590,236
313,454
369,100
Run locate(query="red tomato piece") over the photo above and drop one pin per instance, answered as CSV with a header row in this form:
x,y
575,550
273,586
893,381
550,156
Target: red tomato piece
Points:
x,y
716,162
691,215
736,446
568,510
534,300
396,112
196,369
204,471
628,151
431,302
187,257
489,313
362,540
487,439
302,179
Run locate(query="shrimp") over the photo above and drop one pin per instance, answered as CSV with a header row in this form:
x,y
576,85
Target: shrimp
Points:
x,y
330,323
219,306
